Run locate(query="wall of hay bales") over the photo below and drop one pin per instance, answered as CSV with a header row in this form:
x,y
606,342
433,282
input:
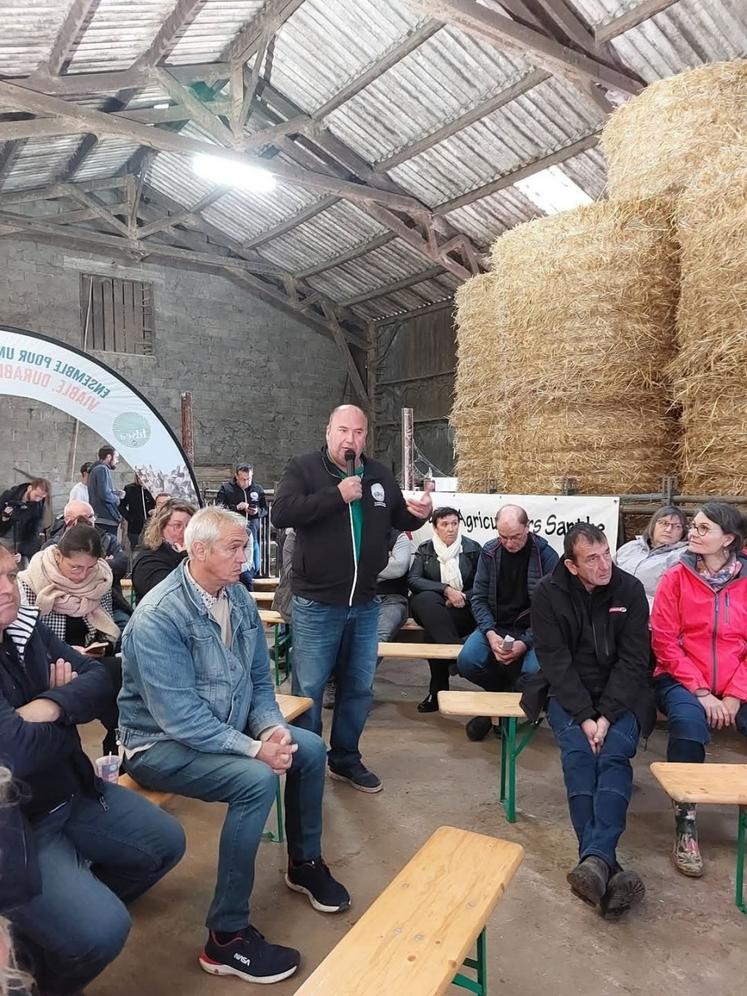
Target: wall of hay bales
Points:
x,y
562,351
708,372
607,343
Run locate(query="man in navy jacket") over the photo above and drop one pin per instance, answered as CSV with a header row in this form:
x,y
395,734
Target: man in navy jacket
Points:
x,y
74,849
507,573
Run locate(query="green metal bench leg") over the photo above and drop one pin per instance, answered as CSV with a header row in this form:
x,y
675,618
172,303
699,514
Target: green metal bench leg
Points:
x,y
508,766
741,844
276,630
279,836
479,965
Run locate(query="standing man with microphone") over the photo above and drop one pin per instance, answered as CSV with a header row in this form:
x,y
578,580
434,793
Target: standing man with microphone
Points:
x,y
341,505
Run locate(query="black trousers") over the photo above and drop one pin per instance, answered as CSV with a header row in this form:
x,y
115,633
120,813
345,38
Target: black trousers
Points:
x,y
442,624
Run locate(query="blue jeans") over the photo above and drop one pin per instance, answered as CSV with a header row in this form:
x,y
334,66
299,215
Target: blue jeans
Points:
x,y
477,664
599,786
687,724
94,858
343,640
248,786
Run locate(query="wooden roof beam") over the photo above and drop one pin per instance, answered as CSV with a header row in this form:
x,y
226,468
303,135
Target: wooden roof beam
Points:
x,y
508,179
67,35
502,32
387,289
182,15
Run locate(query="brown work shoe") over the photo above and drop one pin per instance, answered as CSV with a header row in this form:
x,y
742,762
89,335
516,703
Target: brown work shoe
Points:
x,y
686,853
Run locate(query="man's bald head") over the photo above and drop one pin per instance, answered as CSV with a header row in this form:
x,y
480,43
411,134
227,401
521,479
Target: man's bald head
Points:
x,y
75,510
512,523
346,430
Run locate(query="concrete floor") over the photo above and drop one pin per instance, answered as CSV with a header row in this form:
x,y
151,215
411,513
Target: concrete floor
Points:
x,y
686,938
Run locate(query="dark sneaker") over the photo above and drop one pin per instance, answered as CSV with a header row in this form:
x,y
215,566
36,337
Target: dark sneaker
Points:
x,y
589,879
478,728
624,890
314,879
358,776
250,957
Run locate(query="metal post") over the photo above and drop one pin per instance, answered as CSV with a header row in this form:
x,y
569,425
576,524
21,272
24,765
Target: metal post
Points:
x,y
372,361
408,450
188,426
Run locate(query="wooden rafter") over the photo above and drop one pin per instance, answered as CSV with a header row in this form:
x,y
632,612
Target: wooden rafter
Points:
x,y
502,32
272,17
181,16
346,257
393,288
508,179
67,35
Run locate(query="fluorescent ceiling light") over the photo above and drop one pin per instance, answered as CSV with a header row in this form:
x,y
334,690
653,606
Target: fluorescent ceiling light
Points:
x,y
552,191
233,174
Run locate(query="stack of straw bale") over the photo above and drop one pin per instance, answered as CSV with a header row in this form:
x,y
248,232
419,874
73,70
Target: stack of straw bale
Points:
x,y
708,372
570,364
657,141
476,417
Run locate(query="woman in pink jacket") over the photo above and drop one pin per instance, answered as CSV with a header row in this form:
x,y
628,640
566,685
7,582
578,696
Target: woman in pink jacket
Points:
x,y
699,638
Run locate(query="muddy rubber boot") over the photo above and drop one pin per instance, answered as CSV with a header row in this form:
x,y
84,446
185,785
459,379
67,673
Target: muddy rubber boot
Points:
x,y
686,853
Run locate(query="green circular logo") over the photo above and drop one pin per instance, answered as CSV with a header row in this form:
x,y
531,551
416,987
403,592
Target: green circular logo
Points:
x,y
131,429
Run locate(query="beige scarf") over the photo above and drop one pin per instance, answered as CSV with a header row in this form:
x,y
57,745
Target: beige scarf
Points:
x,y
82,599
448,558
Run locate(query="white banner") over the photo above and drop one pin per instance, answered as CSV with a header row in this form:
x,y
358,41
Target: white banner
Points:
x,y
551,516
35,366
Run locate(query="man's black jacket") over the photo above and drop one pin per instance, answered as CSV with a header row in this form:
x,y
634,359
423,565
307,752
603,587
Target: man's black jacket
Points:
x,y
46,760
25,521
612,621
308,499
135,505
230,494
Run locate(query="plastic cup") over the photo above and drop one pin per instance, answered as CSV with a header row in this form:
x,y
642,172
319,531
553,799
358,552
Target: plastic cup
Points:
x,y
107,767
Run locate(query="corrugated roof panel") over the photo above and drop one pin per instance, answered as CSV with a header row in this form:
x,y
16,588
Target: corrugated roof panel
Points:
x,y
328,43
108,156
687,35
243,215
170,174
383,266
444,77
117,33
41,161
215,26
27,31
589,171
339,228
486,219
545,118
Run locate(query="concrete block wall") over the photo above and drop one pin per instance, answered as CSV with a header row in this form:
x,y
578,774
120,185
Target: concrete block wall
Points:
x,y
262,382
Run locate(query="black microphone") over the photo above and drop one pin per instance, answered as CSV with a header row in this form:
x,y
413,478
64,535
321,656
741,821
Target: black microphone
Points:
x,y
350,462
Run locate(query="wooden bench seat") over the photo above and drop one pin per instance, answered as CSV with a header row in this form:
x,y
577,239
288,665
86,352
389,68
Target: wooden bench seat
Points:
x,y
412,939
263,598
266,584
421,651
714,785
291,706
504,710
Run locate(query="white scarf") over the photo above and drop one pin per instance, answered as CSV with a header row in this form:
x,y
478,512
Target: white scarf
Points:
x,y
448,558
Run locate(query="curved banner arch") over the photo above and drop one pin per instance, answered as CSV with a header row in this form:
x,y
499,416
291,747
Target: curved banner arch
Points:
x,y
36,366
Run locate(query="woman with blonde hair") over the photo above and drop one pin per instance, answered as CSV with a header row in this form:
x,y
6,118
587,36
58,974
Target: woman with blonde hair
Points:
x,y
162,547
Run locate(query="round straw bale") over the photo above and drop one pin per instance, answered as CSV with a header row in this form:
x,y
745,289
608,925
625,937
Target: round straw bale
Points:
x,y
709,367
656,141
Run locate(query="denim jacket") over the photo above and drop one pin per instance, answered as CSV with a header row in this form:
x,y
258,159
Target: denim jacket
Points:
x,y
180,682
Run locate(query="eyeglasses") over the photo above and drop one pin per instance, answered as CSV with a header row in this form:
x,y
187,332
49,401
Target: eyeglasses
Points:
x,y
701,528
667,524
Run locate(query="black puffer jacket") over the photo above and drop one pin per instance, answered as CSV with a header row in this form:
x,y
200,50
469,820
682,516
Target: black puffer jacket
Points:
x,y
24,521
593,648
425,570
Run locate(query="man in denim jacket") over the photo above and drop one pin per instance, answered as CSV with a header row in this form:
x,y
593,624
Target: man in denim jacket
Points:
x,y
198,717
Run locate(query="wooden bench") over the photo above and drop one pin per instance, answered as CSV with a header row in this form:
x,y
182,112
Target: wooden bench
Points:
x,y
291,707
263,598
420,651
281,643
266,584
504,710
716,785
411,940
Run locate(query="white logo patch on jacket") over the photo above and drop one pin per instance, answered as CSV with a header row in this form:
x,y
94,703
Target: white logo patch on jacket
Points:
x,y
378,494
